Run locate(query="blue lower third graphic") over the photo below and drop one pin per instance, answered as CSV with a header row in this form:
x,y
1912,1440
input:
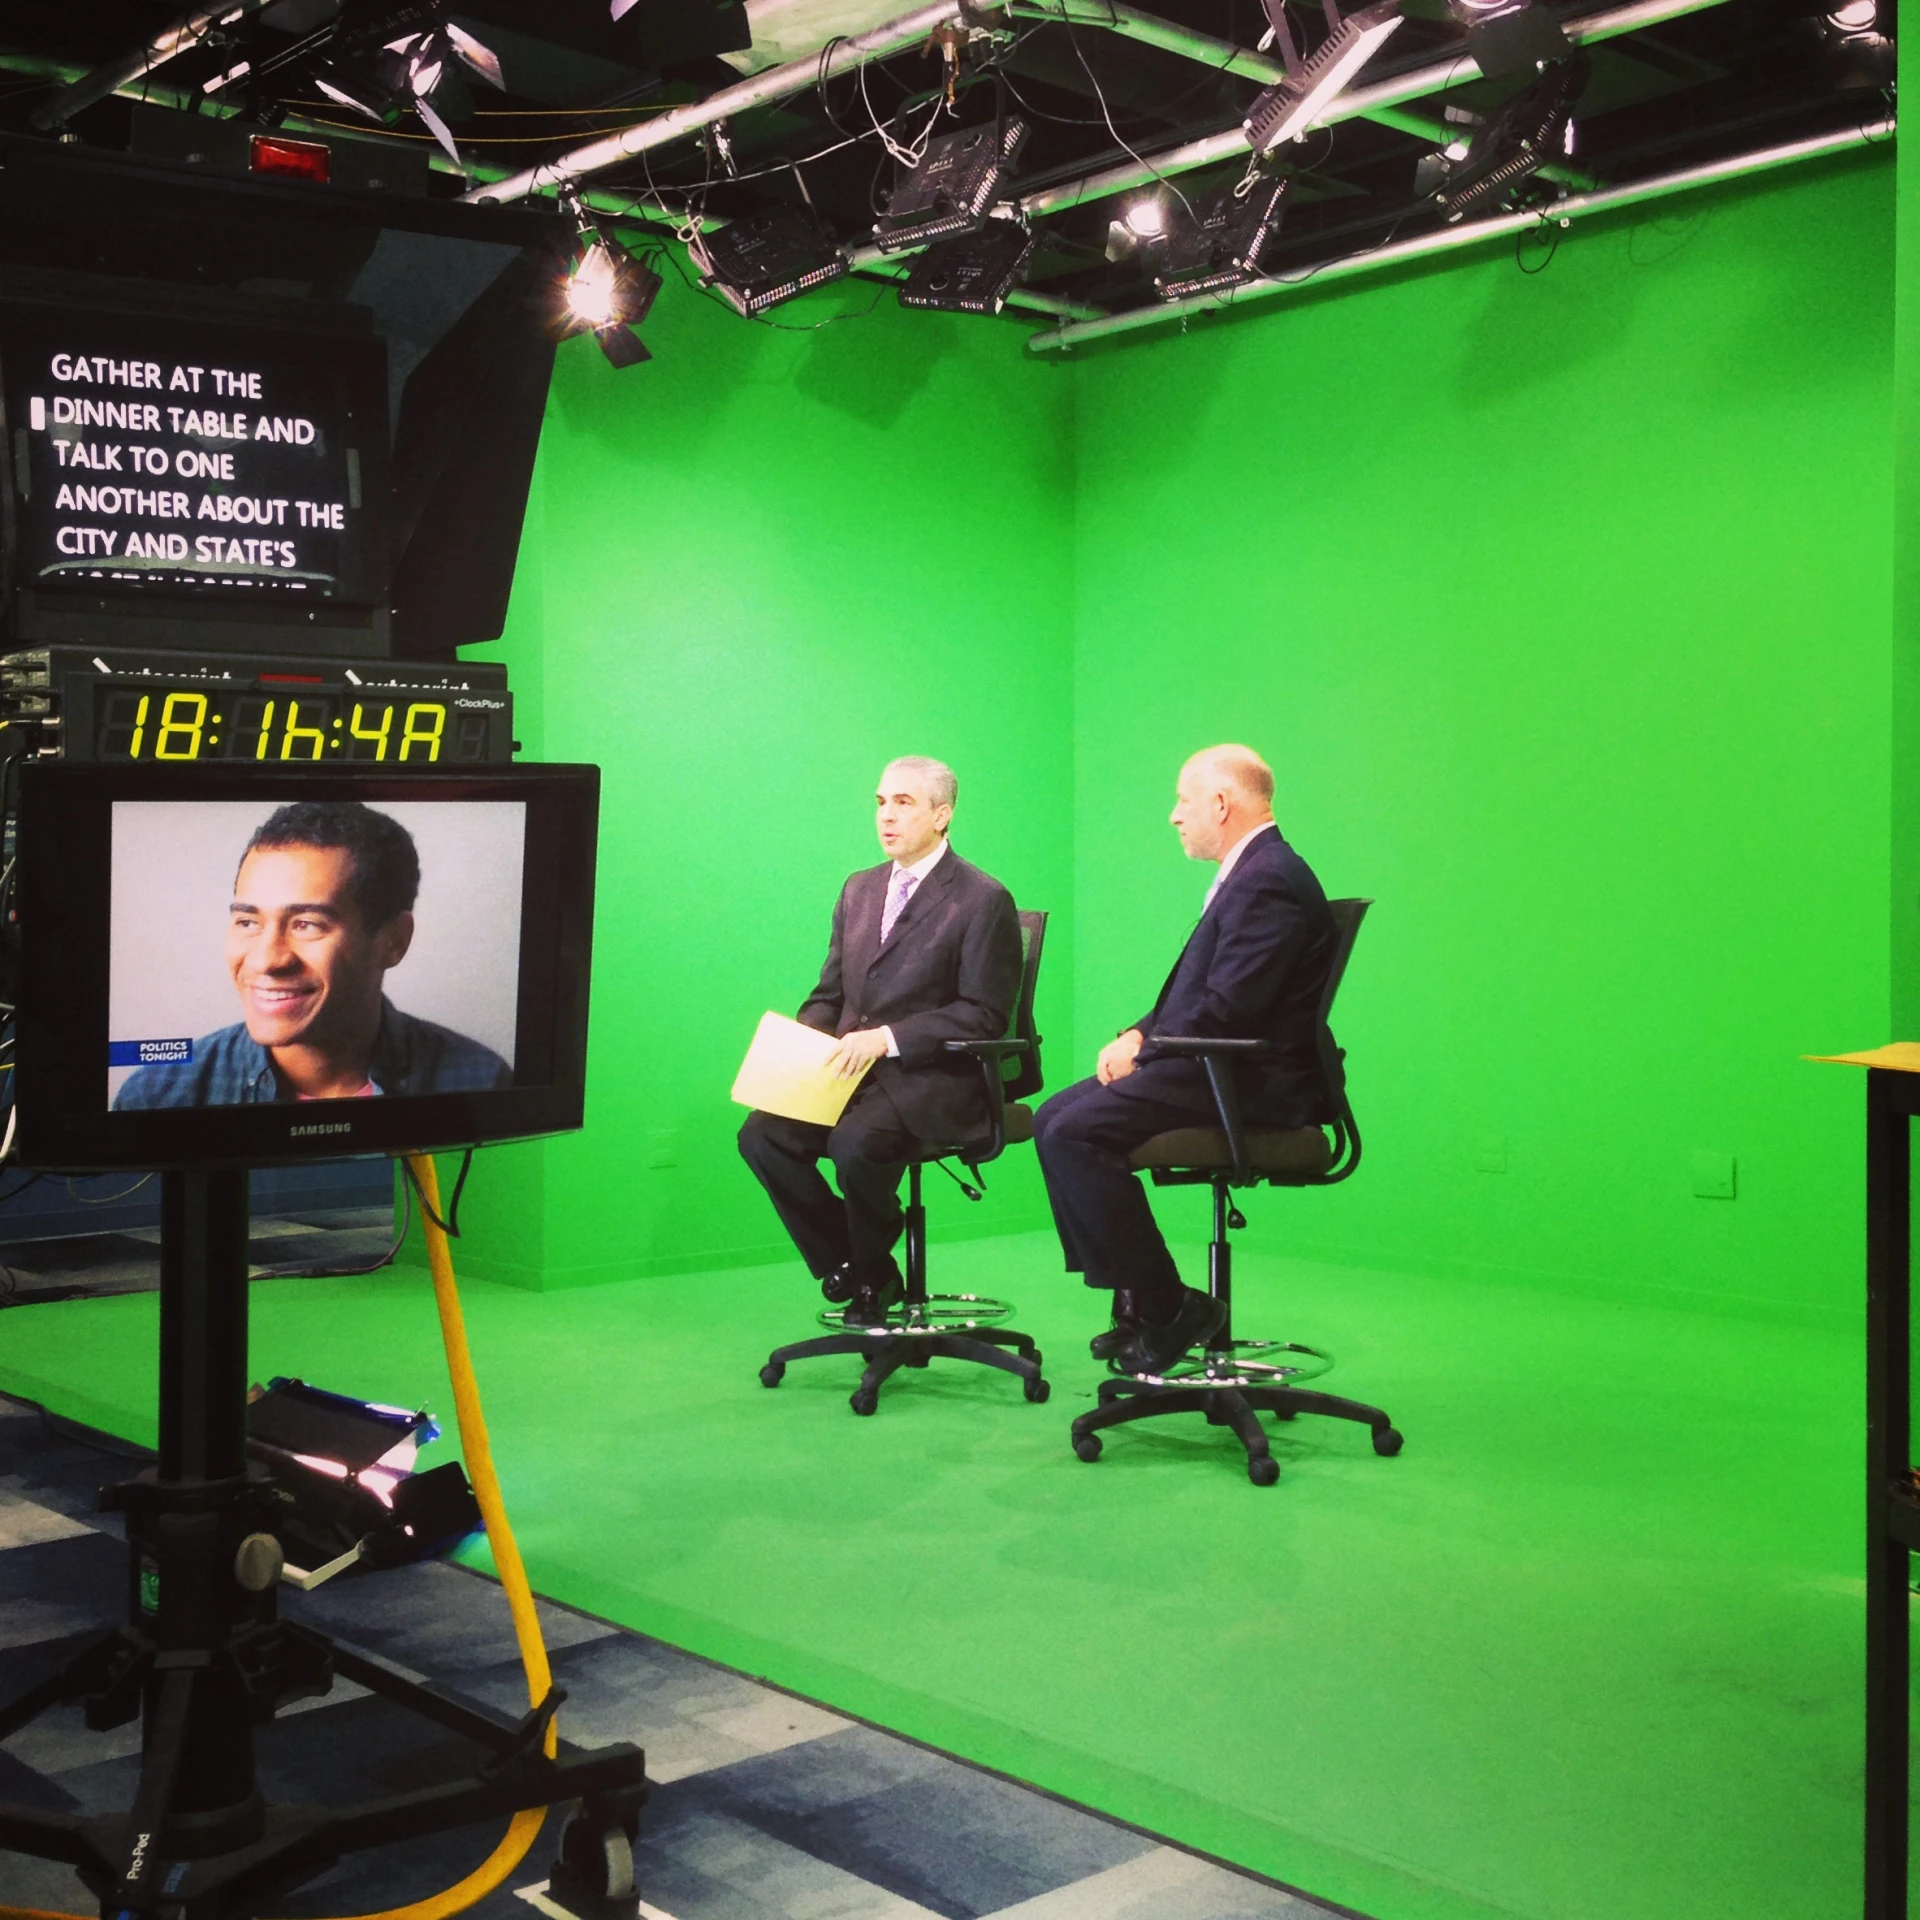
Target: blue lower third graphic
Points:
x,y
149,1053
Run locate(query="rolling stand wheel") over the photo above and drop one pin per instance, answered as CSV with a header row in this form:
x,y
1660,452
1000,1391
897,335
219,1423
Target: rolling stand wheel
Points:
x,y
1263,1470
1036,1390
1087,1445
864,1399
773,1373
1387,1441
592,1877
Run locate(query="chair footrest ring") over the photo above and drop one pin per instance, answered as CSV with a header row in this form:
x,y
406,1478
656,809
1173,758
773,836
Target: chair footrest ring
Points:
x,y
1240,1363
938,1313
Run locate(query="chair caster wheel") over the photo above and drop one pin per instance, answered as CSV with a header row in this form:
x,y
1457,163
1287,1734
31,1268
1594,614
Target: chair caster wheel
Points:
x,y
1387,1441
864,1400
773,1373
1264,1471
1087,1445
1037,1390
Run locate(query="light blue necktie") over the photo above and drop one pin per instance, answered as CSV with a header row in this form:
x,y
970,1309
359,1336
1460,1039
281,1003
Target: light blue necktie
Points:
x,y
899,892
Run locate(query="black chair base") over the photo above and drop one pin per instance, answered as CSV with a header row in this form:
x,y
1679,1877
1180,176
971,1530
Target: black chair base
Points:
x,y
1238,1406
886,1350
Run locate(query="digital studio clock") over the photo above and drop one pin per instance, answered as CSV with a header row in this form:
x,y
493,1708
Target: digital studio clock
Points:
x,y
122,707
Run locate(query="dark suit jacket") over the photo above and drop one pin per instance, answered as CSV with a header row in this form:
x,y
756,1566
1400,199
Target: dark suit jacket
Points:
x,y
950,971
1253,969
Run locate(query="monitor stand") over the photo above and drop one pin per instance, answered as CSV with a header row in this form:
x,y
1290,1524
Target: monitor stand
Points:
x,y
204,1658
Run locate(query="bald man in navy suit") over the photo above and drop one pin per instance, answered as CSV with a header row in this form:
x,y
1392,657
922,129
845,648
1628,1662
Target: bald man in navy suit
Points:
x,y
925,949
1254,968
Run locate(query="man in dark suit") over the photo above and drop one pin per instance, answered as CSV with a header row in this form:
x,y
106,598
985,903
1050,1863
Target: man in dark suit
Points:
x,y
1253,968
925,949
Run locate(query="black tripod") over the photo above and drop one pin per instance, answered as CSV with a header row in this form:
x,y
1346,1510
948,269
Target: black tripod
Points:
x,y
204,1657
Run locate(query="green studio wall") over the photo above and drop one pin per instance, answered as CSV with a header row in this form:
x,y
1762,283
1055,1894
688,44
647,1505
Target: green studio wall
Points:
x,y
1562,605
754,570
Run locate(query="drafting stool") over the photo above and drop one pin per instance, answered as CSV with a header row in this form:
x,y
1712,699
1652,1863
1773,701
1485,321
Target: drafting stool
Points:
x,y
953,1326
1234,1381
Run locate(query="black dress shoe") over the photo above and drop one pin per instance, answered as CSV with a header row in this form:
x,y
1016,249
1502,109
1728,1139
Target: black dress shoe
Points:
x,y
871,1300
1154,1349
838,1286
1126,1323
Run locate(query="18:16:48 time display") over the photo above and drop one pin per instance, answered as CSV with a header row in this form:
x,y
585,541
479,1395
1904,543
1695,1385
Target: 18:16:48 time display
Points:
x,y
184,726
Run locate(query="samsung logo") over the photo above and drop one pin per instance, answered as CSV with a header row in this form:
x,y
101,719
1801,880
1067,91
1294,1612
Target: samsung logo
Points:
x,y
329,1126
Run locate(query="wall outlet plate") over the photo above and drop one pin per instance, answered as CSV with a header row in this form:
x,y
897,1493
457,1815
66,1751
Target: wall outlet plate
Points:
x,y
1713,1176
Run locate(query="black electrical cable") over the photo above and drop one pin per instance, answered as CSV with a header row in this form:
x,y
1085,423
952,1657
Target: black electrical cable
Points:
x,y
450,1226
104,1199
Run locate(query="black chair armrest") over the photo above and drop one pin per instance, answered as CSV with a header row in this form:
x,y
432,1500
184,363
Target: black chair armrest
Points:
x,y
1198,1046
1217,1056
988,1054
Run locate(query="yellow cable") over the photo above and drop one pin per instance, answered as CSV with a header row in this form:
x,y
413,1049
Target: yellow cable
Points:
x,y
519,1837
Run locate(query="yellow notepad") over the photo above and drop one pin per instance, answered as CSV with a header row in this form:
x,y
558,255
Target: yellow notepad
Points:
x,y
785,1072
1899,1056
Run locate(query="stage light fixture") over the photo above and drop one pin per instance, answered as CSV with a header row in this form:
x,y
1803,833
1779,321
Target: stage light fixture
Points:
x,y
758,262
1146,218
1856,20
1510,36
608,292
407,72
1219,241
1285,111
344,1469
971,274
951,186
1525,132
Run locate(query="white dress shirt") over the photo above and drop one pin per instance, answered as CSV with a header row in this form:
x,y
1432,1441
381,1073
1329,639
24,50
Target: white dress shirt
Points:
x,y
920,869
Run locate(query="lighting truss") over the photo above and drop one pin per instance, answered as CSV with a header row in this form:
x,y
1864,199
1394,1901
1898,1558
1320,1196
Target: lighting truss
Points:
x,y
951,186
758,262
1220,242
971,274
1286,110
1526,131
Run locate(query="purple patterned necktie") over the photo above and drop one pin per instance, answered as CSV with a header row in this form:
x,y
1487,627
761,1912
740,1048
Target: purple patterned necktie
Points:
x,y
899,892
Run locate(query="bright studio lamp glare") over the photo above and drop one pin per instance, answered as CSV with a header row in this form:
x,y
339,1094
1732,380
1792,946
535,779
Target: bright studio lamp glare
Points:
x,y
608,293
1146,218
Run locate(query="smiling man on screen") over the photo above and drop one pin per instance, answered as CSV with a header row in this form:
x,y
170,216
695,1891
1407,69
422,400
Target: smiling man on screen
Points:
x,y
322,909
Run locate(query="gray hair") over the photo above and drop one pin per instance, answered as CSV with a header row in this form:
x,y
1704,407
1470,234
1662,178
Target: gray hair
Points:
x,y
943,788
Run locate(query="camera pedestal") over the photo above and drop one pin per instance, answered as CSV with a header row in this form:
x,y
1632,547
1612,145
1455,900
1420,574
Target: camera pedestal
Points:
x,y
204,1657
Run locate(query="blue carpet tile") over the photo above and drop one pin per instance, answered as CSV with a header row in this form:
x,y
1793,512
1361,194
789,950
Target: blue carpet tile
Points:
x,y
765,1807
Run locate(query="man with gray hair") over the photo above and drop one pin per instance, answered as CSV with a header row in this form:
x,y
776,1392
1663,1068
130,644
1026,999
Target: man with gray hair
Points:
x,y
1253,968
925,949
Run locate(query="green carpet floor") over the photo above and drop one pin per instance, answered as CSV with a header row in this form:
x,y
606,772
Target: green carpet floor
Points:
x,y
1589,1649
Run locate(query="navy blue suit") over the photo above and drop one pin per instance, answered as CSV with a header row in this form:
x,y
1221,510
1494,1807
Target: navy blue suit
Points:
x,y
1254,968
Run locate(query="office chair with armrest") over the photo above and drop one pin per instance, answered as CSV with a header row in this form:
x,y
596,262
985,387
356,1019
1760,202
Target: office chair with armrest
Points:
x,y
1234,1381
952,1326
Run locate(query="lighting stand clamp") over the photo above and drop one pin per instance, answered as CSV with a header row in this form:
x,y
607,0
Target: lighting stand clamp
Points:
x,y
204,1658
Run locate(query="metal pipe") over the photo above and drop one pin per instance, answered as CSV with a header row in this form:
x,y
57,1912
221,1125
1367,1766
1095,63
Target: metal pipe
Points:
x,y
1223,56
879,43
1453,239
1356,103
186,32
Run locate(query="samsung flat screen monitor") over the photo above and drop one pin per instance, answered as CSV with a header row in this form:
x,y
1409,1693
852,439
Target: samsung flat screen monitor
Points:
x,y
224,966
